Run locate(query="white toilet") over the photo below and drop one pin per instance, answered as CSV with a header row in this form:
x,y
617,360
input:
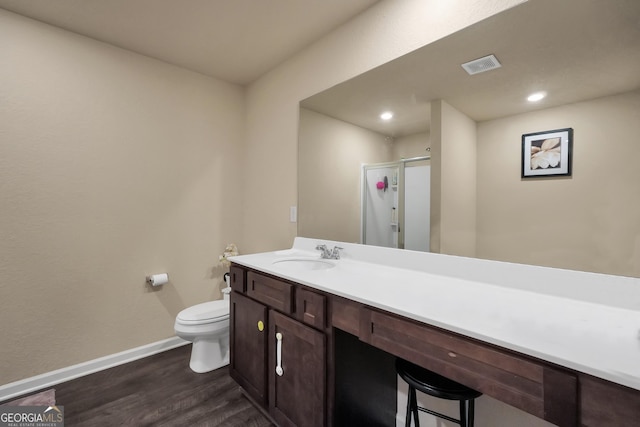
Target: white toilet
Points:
x,y
207,325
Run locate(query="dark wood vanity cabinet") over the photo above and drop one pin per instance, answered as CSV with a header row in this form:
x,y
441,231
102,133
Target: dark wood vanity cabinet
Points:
x,y
263,306
274,324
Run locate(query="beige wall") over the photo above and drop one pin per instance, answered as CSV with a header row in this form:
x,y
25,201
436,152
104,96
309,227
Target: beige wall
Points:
x,y
589,221
406,147
453,181
113,166
384,32
330,161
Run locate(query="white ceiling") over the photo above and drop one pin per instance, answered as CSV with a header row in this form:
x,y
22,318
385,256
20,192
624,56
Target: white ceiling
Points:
x,y
573,49
233,40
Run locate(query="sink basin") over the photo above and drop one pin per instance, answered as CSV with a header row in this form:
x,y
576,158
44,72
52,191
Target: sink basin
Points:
x,y
303,264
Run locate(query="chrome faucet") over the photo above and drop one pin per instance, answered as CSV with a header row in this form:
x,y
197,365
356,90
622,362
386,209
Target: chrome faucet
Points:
x,y
329,253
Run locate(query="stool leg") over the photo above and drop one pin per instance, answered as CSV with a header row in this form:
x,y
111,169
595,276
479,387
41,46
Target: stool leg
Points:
x,y
407,417
463,413
414,403
470,412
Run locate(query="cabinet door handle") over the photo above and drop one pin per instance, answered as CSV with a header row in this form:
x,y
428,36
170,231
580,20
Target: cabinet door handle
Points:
x,y
279,369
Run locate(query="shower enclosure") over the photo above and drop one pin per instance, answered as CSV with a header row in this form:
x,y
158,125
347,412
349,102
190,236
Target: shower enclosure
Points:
x,y
395,204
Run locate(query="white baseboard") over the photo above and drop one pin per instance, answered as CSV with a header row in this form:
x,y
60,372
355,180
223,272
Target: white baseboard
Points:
x,y
48,379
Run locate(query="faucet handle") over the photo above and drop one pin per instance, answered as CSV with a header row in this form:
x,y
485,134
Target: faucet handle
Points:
x,y
335,252
324,251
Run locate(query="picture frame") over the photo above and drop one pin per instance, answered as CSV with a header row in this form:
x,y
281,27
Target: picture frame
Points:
x,y
547,154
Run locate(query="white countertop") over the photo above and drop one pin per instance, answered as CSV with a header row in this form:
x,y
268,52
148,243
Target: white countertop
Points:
x,y
584,321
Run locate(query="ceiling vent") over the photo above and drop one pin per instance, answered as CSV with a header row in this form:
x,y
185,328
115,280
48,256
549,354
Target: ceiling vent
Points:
x,y
480,65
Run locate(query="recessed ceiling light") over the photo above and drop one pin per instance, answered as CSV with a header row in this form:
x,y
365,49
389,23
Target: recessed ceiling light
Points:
x,y
534,97
387,115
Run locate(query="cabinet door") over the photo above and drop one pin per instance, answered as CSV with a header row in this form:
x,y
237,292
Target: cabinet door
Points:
x,y
297,393
248,346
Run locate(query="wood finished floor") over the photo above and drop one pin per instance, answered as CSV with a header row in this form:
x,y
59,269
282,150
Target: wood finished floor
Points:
x,y
159,390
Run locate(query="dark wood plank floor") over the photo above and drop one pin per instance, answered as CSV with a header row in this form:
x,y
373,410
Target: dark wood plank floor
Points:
x,y
159,390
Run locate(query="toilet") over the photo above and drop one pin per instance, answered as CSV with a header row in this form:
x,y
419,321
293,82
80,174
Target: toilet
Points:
x,y
207,326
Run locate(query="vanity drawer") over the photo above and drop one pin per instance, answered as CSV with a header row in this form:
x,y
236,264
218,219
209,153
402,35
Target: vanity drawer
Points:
x,y
607,404
534,387
345,315
237,279
272,292
311,308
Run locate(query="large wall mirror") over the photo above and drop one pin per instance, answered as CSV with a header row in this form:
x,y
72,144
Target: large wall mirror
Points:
x,y
584,55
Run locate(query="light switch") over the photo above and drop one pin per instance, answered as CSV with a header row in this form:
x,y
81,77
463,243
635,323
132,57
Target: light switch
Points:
x,y
293,214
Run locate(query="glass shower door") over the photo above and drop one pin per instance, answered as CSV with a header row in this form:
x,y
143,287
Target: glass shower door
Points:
x,y
380,196
396,204
415,234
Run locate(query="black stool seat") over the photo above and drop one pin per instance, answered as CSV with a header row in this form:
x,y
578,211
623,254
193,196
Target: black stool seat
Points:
x,y
435,385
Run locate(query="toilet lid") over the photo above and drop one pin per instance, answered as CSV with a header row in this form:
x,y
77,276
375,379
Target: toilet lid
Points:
x,y
205,313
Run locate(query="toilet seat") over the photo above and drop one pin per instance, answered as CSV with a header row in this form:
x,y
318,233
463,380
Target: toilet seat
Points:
x,y
207,312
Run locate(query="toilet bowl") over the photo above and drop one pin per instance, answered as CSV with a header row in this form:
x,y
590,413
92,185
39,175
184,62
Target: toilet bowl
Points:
x,y
207,326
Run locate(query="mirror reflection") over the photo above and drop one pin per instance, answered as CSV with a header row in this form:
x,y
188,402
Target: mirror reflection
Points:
x,y
583,56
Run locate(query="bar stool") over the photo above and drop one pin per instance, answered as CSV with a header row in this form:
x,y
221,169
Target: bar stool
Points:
x,y
438,386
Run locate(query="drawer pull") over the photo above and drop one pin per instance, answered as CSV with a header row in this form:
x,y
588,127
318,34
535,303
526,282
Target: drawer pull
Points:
x,y
452,354
260,325
279,369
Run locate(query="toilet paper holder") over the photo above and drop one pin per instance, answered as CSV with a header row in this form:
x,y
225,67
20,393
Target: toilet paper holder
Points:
x,y
157,279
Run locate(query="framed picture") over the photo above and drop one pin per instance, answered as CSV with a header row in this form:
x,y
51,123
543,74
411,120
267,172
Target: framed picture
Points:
x,y
547,153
